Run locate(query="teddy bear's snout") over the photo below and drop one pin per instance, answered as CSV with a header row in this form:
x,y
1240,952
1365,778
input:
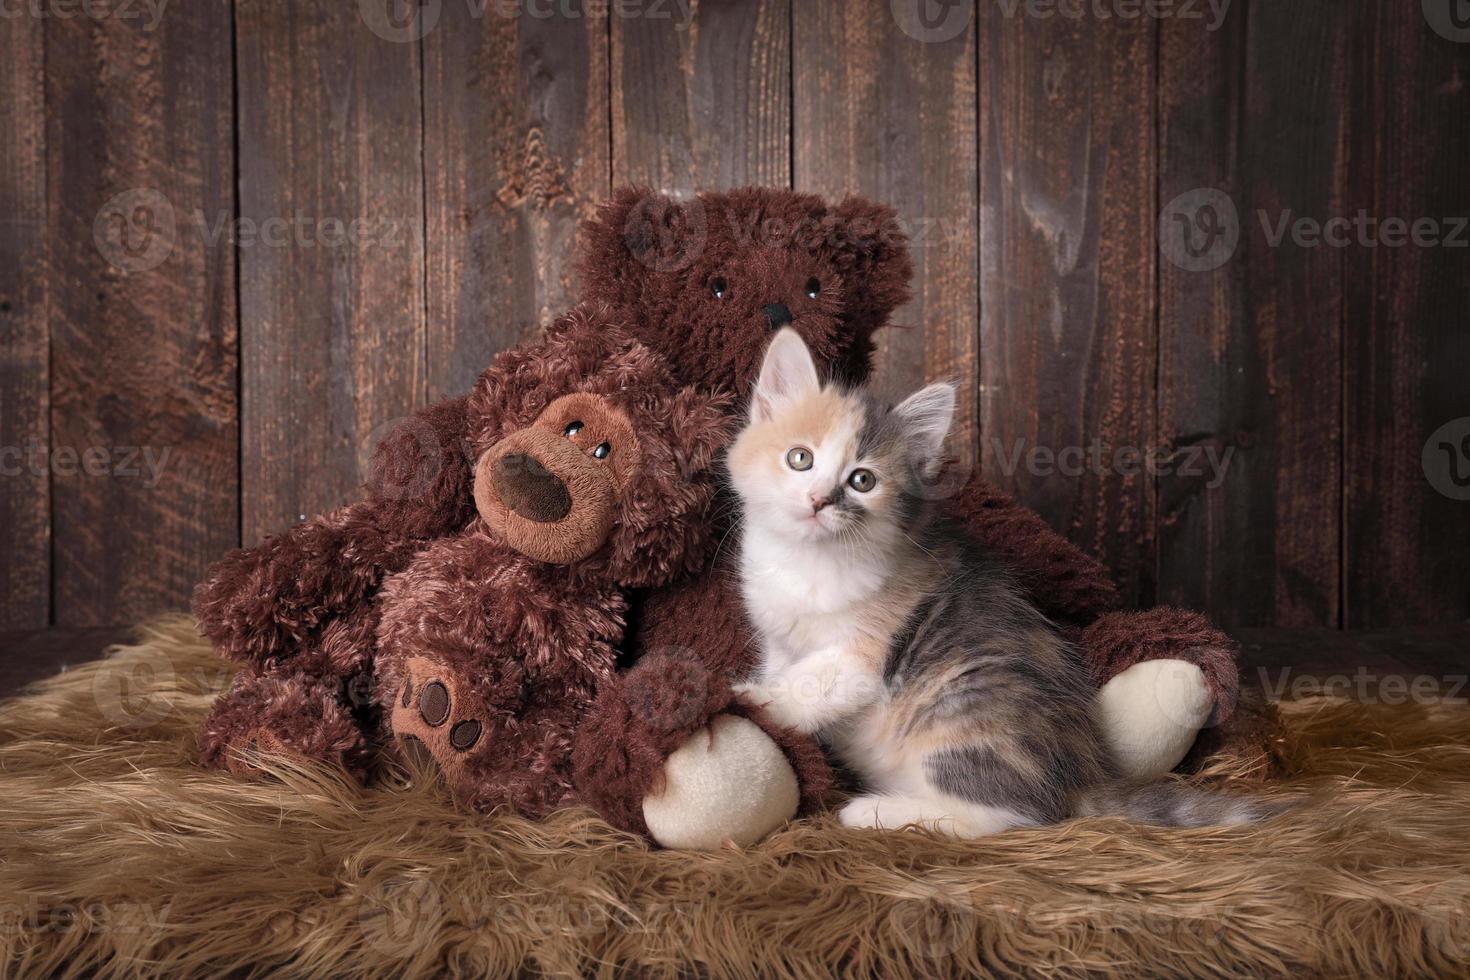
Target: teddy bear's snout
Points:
x,y
531,490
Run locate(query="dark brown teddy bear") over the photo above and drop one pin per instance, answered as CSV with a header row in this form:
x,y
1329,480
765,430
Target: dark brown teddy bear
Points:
x,y
663,748
707,282
585,471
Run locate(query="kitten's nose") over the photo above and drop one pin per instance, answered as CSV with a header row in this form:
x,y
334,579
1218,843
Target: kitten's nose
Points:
x,y
778,314
818,503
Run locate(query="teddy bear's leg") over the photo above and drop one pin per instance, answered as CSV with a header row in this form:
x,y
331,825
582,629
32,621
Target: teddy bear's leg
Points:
x,y
1165,674
668,752
485,667
291,714
467,716
318,705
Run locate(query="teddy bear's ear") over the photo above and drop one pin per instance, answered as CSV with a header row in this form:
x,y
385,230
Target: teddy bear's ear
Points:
x,y
639,231
667,524
876,249
871,248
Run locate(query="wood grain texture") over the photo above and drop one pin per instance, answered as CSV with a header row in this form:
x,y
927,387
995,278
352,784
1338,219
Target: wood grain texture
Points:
x,y
1406,326
701,100
516,153
1067,337
25,486
143,368
332,282
1251,353
884,114
1206,360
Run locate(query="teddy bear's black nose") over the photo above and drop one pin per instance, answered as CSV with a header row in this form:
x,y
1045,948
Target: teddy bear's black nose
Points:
x,y
778,314
530,489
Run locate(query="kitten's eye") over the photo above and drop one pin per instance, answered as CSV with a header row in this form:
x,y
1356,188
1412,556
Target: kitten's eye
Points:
x,y
719,287
602,451
572,429
799,458
813,287
862,480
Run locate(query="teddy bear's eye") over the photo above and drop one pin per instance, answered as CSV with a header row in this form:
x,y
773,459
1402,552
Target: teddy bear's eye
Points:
x,y
813,287
719,287
602,451
572,429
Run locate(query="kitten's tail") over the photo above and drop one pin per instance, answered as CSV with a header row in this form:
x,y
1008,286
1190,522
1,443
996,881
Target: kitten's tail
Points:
x,y
1171,803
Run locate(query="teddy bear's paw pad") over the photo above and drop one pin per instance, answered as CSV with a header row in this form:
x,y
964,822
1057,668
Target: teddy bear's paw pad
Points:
x,y
434,720
245,753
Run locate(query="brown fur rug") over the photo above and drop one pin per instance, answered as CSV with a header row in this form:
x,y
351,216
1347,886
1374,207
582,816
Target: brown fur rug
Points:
x,y
118,856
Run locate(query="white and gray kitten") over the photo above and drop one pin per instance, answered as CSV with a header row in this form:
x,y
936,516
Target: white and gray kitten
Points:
x,y
891,633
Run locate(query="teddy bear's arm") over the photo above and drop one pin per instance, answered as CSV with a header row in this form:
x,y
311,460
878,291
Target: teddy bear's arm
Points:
x,y
1066,584
259,604
673,716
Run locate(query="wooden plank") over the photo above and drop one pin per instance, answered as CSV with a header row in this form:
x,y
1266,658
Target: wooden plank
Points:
x,y
1067,334
1406,330
1253,124
701,94
331,286
883,112
144,419
34,655
516,153
25,504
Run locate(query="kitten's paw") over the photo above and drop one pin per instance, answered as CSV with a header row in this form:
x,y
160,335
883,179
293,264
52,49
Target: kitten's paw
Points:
x,y
778,703
861,811
752,693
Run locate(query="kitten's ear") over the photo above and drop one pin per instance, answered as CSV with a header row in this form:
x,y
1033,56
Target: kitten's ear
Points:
x,y
787,373
927,415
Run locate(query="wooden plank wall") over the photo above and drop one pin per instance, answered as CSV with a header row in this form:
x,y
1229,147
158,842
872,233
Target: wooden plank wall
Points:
x,y
240,239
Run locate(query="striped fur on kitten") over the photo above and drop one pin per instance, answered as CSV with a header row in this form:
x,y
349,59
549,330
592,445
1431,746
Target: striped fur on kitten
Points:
x,y
886,629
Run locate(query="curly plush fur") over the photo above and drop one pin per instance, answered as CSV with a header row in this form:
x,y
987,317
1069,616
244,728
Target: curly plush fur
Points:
x,y
701,284
653,260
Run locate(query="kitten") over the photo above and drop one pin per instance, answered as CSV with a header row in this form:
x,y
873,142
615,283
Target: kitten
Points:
x,y
889,632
